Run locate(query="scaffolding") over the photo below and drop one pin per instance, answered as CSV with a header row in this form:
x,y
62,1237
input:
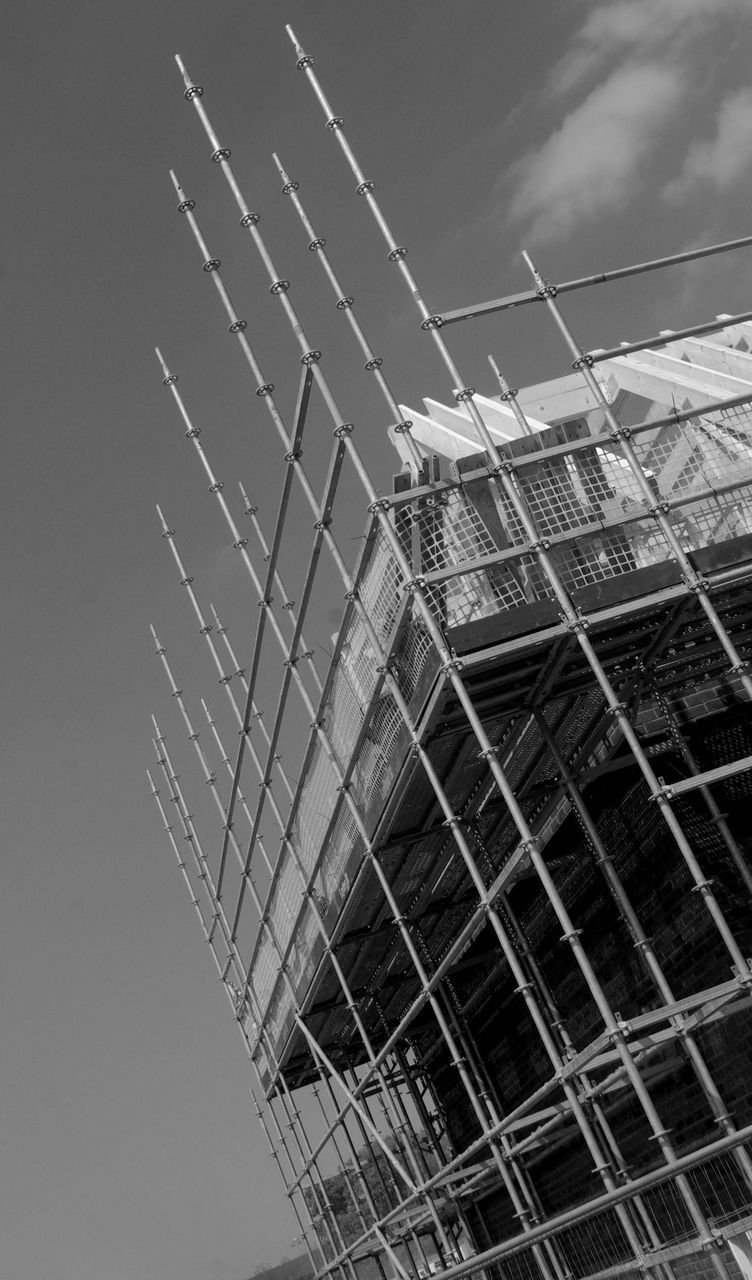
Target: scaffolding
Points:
x,y
492,968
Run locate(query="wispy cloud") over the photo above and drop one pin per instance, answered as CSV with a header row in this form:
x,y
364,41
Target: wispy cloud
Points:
x,y
588,164
722,160
636,29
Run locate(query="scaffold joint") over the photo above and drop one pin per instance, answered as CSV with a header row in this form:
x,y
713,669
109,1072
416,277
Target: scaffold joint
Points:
x,y
217,487
344,303
186,582
193,433
585,361
452,664
374,363
464,393
432,322
250,219
705,887
364,188
506,465
279,286
222,153
405,425
310,357
510,394
334,122
168,533
237,326
186,206
547,290
344,429
541,544
620,433
399,251
659,509
318,243
266,389
240,543
212,264
193,91
305,60
169,380
577,626
379,504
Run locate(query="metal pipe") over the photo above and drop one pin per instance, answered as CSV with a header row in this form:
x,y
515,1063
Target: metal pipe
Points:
x,y
600,277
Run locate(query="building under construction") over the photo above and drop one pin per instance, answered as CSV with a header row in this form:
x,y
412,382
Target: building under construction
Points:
x,y
489,952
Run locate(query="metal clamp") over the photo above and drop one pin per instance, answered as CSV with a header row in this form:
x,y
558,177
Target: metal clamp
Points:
x,y
344,429
334,122
399,251
364,188
343,303
237,326
318,243
465,393
292,185
186,206
585,361
168,381
217,487
304,61
405,425
193,91
374,363
222,153
279,286
310,357
250,219
432,322
266,389
185,582
211,264
240,544
509,394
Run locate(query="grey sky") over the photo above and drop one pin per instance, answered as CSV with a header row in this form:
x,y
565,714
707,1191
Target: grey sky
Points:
x,y
592,133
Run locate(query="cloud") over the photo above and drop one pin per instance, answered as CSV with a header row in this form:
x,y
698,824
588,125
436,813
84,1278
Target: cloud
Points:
x,y
637,29
722,160
589,164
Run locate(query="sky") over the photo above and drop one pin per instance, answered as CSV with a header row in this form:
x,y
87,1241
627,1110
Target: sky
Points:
x,y
593,134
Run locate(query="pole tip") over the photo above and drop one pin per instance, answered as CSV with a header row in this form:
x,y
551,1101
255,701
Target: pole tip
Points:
x,y
298,46
182,70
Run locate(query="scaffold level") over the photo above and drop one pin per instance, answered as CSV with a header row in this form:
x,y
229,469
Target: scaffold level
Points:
x,y
487,939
